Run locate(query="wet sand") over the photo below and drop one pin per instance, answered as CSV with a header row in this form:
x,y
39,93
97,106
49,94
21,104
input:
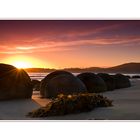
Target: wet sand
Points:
x,y
126,107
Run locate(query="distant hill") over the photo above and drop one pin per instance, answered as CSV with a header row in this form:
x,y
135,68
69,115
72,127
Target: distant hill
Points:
x,y
124,68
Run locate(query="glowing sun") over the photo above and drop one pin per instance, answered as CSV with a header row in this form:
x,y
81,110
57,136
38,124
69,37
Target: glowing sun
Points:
x,y
21,64
26,62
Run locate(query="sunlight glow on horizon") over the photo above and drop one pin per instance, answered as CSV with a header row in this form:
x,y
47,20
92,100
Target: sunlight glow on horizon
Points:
x,y
21,64
26,62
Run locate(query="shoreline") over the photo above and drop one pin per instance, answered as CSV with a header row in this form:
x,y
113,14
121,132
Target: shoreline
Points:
x,y
126,103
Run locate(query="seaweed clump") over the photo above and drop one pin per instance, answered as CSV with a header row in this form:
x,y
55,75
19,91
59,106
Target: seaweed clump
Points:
x,y
70,104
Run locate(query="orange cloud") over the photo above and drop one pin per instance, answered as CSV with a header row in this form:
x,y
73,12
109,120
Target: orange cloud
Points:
x,y
47,46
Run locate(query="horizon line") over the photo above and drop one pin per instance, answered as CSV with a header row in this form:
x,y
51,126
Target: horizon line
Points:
x,y
82,67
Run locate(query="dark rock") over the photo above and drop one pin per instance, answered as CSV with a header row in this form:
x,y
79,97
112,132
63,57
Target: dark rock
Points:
x,y
93,82
128,76
48,78
109,80
136,76
14,83
36,85
121,81
61,82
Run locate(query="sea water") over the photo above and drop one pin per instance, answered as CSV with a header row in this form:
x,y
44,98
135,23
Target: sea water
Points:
x,y
40,76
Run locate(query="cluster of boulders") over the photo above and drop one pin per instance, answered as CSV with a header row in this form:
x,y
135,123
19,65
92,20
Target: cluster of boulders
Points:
x,y
62,82
70,94
74,94
16,84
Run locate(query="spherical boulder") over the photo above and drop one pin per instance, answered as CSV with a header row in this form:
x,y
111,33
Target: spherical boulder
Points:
x,y
109,80
14,83
48,78
61,82
121,81
93,82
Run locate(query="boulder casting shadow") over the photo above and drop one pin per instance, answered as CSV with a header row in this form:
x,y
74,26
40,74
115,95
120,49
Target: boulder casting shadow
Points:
x,y
48,78
121,81
109,80
14,83
93,82
59,82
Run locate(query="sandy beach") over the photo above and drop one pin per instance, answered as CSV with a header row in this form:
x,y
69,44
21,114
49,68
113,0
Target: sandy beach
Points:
x,y
126,107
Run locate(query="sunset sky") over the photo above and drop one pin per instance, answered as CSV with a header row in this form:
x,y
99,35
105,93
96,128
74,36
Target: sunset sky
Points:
x,y
59,44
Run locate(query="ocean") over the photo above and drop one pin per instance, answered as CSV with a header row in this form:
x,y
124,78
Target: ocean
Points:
x,y
40,76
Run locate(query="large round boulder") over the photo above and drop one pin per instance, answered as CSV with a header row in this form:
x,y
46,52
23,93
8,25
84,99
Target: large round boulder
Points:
x,y
109,80
48,78
61,82
121,81
93,82
14,83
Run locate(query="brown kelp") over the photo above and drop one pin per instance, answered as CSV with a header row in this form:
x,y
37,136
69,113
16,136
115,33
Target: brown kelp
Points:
x,y
69,104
